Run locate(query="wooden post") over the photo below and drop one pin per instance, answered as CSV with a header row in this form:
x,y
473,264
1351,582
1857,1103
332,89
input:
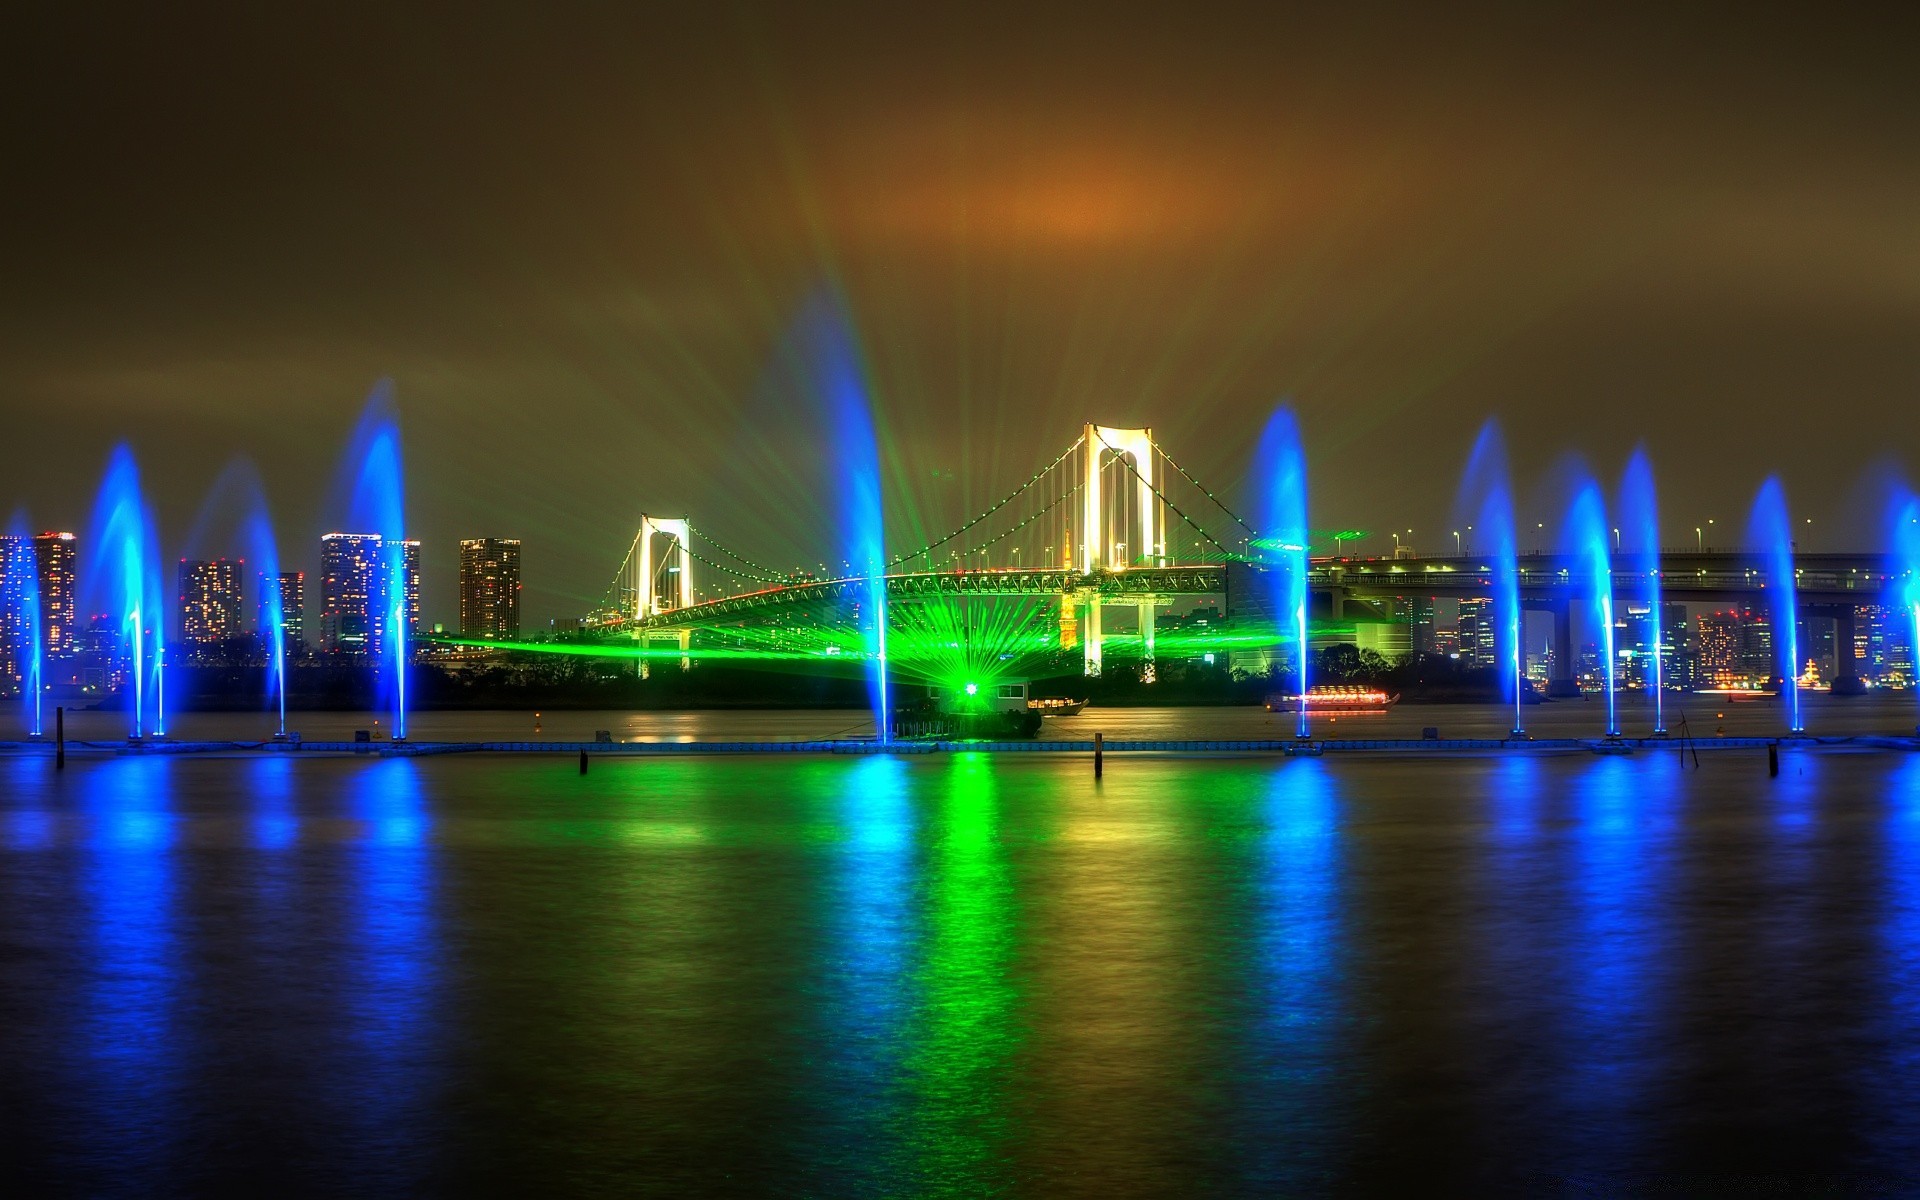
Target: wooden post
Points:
x,y
60,738
583,762
1099,752
1773,760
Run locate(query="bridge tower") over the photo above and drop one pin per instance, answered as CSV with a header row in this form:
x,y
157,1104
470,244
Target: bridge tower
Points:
x,y
648,599
1099,550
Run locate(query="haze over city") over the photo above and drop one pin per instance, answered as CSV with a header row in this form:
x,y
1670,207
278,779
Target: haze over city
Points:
x,y
575,244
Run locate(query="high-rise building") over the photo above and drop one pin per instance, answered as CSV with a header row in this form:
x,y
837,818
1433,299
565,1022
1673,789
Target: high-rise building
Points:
x,y
348,565
490,588
18,573
209,602
1733,647
1476,626
291,588
1716,642
353,588
54,558
1416,612
410,563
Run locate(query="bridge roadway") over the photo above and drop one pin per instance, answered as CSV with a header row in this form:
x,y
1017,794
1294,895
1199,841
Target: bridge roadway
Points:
x,y
1713,577
1829,586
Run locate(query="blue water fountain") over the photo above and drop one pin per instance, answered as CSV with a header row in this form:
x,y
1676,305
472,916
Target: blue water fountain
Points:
x,y
1903,541
375,478
1280,465
1771,530
238,490
121,579
1640,549
1486,496
20,573
1584,540
831,367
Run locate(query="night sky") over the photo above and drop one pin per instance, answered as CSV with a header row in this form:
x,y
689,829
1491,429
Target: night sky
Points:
x,y
575,242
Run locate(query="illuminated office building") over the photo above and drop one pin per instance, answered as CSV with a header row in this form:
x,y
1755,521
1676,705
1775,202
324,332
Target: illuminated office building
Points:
x,y
490,588
54,558
209,602
353,589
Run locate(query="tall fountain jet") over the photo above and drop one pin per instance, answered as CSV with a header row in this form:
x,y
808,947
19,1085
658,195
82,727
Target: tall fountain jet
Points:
x,y
1771,530
1486,500
239,489
1585,537
121,579
376,504
1280,465
1903,539
830,368
1640,548
21,577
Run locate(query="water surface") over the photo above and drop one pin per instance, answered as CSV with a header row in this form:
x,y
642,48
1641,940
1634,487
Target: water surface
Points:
x,y
958,973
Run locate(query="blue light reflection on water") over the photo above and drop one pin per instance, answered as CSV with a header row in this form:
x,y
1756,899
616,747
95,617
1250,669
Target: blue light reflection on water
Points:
x,y
276,826
1297,970
873,933
1620,960
1893,1082
131,1006
393,970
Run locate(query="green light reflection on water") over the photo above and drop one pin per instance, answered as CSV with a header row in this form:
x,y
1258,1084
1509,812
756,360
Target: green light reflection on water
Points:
x,y
967,1020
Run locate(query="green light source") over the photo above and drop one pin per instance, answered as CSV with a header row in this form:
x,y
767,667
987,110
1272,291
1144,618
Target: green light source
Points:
x,y
973,689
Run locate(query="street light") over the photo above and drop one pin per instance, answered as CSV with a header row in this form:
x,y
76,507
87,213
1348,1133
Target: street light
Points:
x,y
1699,540
1456,543
1616,539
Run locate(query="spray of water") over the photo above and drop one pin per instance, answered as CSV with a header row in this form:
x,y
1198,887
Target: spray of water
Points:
x,y
1640,550
1585,538
1903,540
376,504
1486,498
120,578
829,368
1280,464
236,504
1771,529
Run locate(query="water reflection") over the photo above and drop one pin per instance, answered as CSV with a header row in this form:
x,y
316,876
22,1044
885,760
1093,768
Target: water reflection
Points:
x,y
275,825
871,938
1297,966
966,1021
1893,1077
127,1040
1618,956
392,974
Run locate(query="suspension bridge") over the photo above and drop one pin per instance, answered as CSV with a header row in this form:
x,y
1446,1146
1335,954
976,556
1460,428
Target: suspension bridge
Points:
x,y
1113,521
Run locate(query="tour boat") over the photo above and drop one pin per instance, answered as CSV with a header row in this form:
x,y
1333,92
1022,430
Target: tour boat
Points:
x,y
1333,697
1057,706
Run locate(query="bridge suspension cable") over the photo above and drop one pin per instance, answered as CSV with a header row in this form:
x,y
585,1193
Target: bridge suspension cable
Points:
x,y
1056,502
608,598
1161,496
897,559
759,571
1184,474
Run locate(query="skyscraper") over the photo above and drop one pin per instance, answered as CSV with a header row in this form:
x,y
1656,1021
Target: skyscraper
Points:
x,y
209,602
291,587
1477,643
17,571
353,587
490,588
348,562
54,557
410,563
